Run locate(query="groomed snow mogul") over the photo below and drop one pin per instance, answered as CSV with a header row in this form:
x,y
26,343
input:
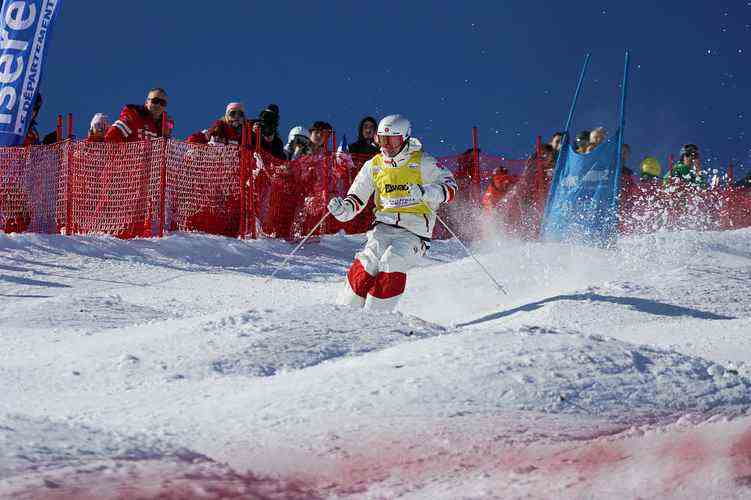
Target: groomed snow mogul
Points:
x,y
409,186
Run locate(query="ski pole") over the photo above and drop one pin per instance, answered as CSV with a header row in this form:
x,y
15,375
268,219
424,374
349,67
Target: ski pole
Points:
x,y
484,269
293,252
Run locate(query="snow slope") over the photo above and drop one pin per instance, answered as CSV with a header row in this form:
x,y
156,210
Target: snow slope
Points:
x,y
174,368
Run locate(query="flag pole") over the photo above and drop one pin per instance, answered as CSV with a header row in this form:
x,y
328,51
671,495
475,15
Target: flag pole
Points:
x,y
566,138
621,125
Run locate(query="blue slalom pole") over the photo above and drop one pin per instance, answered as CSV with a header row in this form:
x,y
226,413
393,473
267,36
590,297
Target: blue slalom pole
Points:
x,y
621,126
615,206
565,142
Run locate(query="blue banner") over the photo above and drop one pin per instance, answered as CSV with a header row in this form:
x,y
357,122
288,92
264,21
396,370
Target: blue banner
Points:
x,y
583,201
25,29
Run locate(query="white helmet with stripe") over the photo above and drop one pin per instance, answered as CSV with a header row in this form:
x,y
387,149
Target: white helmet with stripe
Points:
x,y
393,125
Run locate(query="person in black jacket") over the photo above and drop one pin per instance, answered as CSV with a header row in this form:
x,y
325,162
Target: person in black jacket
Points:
x,y
365,144
268,126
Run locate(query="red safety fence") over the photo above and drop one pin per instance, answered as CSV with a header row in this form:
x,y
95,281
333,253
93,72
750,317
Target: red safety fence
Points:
x,y
142,189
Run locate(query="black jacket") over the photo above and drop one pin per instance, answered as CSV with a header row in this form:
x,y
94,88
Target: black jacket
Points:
x,y
364,146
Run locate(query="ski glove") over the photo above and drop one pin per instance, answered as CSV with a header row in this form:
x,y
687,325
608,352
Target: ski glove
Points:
x,y
429,193
341,209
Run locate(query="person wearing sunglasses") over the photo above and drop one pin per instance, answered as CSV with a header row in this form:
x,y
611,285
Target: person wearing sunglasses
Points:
x,y
226,130
137,123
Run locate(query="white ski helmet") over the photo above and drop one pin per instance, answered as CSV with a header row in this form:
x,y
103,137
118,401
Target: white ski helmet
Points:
x,y
298,130
395,125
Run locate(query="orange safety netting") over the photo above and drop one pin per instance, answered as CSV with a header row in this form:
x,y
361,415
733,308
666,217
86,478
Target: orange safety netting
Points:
x,y
142,189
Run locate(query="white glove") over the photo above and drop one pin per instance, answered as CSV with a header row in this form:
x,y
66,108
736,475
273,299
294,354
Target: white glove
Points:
x,y
429,193
342,210
336,206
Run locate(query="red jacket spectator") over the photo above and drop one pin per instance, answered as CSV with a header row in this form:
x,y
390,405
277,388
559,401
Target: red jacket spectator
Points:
x,y
220,132
499,186
225,130
136,123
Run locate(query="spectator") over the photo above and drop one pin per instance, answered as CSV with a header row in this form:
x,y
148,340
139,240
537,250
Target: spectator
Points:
x,y
651,170
556,141
743,183
32,136
137,123
500,183
225,130
688,168
582,142
298,143
525,202
267,126
625,157
98,127
596,137
365,144
319,132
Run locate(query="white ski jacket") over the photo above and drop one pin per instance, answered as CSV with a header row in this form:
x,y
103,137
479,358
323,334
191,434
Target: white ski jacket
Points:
x,y
389,179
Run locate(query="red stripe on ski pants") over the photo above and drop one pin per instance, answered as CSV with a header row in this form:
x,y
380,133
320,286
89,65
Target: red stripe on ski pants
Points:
x,y
388,285
359,280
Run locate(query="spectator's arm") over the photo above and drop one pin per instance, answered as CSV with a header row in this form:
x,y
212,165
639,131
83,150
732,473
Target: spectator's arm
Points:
x,y
123,127
200,137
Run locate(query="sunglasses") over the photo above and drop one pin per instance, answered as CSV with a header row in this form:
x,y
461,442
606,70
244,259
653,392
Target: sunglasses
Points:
x,y
236,113
159,101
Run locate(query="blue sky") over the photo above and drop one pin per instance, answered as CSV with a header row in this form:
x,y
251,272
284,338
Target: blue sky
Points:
x,y
507,67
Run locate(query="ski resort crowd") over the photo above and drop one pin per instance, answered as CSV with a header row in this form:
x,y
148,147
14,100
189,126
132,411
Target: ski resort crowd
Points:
x,y
515,196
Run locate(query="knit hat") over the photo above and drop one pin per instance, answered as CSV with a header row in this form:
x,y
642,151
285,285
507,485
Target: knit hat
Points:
x,y
234,105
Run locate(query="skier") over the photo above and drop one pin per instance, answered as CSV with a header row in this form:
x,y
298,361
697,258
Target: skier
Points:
x,y
409,186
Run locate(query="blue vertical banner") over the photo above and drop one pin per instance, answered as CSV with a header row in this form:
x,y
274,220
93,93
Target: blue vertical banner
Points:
x,y
583,196
25,30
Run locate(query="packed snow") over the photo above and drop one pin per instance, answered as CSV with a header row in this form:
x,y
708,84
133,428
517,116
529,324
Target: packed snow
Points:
x,y
175,368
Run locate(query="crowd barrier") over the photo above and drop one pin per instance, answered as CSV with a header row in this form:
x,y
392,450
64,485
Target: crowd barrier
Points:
x,y
144,189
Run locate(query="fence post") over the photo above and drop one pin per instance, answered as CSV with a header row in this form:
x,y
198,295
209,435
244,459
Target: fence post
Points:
x,y
325,172
70,126
59,129
730,173
251,197
242,174
163,175
333,158
69,184
475,175
539,176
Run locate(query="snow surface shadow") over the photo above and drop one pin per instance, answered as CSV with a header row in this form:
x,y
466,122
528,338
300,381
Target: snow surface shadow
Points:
x,y
642,305
66,276
198,253
39,263
25,296
718,247
28,281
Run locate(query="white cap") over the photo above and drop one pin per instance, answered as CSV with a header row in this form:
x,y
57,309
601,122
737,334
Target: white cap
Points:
x,y
298,130
100,118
